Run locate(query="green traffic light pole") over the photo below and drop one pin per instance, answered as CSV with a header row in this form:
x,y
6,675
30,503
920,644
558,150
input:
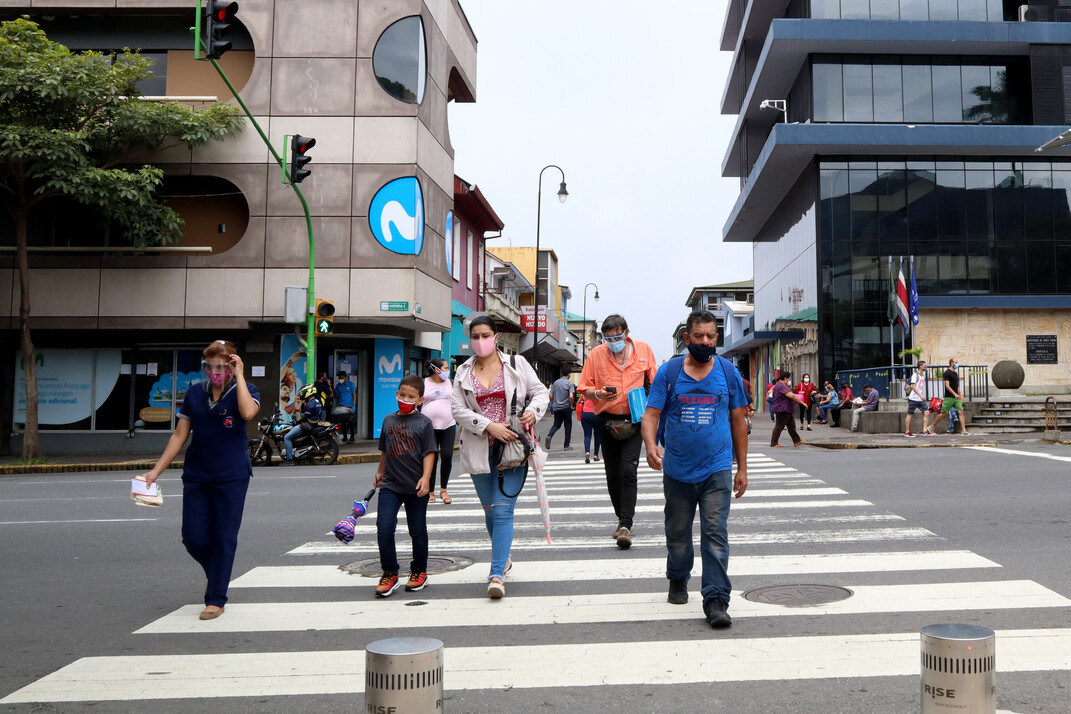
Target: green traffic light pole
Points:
x,y
310,321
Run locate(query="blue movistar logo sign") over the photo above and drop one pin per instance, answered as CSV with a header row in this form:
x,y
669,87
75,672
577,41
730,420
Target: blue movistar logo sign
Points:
x,y
396,216
448,234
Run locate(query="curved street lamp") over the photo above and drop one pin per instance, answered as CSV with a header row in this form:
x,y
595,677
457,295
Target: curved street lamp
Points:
x,y
563,194
584,352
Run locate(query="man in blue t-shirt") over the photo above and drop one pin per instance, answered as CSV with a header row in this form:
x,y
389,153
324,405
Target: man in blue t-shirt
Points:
x,y
345,393
704,425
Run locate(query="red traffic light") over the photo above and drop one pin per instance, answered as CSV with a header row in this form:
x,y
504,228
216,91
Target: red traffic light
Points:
x,y
298,146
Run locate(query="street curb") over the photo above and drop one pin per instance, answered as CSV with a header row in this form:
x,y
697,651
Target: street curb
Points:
x,y
142,466
851,445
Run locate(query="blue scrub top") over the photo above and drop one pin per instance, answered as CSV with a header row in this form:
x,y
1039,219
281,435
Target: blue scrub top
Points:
x,y
219,448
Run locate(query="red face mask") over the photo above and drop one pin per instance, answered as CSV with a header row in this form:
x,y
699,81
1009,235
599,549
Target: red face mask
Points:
x,y
406,407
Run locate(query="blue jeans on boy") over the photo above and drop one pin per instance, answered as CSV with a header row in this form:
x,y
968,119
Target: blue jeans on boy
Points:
x,y
498,513
712,496
416,517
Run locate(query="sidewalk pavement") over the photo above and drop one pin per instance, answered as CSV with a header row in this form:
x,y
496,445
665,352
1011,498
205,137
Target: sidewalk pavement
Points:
x,y
367,450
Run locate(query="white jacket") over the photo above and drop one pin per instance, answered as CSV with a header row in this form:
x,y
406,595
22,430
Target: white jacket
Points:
x,y
531,396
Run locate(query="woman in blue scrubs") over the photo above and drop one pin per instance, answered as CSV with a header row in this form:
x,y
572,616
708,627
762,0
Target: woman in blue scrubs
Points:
x,y
216,469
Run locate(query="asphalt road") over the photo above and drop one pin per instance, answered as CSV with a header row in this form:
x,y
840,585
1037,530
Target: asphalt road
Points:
x,y
90,579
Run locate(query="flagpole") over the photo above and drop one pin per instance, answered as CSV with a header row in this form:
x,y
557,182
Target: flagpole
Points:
x,y
892,317
903,331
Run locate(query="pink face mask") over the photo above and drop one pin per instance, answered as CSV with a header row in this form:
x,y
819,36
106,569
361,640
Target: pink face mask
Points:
x,y
484,346
218,379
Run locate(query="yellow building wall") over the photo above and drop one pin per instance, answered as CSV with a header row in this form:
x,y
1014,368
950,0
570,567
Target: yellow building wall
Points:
x,y
986,336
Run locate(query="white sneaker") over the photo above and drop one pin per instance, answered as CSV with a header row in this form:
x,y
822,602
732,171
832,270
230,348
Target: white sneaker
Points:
x,y
495,589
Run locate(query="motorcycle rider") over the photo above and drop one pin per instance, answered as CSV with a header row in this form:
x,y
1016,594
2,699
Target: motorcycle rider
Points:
x,y
312,411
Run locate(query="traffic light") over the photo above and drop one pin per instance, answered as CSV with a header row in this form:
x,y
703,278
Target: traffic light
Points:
x,y
298,146
325,317
218,17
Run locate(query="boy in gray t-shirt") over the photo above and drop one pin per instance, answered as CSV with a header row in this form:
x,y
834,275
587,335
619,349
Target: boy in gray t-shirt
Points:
x,y
408,447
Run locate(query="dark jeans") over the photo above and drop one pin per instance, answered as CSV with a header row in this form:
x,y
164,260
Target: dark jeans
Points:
x,y
590,422
806,411
784,420
444,457
211,517
347,422
416,517
562,416
621,459
712,496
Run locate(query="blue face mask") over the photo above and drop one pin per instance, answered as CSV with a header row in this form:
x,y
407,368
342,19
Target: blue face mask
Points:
x,y
702,353
616,347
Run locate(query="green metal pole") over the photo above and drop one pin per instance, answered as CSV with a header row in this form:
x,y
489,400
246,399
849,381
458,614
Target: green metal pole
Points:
x,y
310,322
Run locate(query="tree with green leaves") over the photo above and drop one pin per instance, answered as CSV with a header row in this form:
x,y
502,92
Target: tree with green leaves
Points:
x,y
74,125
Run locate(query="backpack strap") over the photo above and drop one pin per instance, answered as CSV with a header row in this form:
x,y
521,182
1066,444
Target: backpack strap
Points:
x,y
673,372
732,379
513,403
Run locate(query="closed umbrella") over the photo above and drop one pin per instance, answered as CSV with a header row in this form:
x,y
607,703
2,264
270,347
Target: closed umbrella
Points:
x,y
538,458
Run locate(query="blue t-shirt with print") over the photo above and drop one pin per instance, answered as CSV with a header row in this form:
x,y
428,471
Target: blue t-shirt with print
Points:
x,y
699,439
219,449
344,392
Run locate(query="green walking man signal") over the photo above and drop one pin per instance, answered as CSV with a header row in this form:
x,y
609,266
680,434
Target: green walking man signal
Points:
x,y
325,317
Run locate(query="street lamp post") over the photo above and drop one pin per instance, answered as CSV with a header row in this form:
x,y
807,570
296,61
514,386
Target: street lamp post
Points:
x,y
562,195
584,349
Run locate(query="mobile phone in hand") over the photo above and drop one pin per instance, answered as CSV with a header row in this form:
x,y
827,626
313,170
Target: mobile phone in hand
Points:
x,y
611,390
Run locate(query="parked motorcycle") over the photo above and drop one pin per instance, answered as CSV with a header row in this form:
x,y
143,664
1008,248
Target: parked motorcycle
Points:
x,y
319,446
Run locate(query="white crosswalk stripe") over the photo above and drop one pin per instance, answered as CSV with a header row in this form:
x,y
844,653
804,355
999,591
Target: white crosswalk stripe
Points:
x,y
887,564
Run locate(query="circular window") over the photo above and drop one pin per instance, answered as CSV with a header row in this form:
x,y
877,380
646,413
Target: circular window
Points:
x,y
400,60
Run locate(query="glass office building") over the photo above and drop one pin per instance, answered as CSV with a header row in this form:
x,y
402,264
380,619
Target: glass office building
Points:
x,y
908,131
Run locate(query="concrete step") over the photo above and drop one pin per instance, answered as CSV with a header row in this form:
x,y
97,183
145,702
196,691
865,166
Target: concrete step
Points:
x,y
1063,423
1006,429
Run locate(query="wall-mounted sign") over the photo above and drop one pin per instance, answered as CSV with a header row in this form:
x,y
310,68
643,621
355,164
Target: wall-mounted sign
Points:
x,y
388,370
396,216
1041,349
528,321
393,306
448,234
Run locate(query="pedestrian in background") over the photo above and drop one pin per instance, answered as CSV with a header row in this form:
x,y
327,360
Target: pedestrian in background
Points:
x,y
784,408
845,403
438,392
484,388
953,398
917,400
611,370
345,412
325,392
216,468
704,412
406,460
805,389
869,403
561,405
585,414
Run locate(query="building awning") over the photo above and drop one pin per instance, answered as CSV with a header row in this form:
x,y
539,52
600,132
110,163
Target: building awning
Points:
x,y
550,353
762,337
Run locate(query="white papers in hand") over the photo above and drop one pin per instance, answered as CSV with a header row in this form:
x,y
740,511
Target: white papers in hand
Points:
x,y
145,494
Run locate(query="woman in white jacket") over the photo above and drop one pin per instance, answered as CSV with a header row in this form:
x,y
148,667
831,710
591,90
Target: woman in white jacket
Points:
x,y
483,391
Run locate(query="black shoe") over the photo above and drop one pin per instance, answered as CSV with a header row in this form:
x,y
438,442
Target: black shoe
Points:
x,y
678,592
546,444
287,462
567,448
717,616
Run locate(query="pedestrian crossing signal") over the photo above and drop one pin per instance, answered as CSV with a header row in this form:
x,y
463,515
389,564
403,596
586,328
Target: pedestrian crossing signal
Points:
x,y
325,317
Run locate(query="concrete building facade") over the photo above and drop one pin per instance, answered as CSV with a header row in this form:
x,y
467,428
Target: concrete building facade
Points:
x,y
371,82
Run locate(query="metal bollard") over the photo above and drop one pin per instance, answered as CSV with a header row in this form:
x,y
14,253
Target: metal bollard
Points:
x,y
958,669
403,675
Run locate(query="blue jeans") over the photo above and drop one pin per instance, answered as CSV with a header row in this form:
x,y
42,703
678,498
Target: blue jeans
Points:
x,y
498,513
590,422
416,517
562,417
288,440
712,496
825,410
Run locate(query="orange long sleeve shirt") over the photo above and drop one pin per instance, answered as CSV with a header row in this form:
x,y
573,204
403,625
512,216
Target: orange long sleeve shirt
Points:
x,y
601,370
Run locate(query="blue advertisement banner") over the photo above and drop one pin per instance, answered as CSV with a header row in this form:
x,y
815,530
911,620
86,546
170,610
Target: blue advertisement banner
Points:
x,y
291,375
388,370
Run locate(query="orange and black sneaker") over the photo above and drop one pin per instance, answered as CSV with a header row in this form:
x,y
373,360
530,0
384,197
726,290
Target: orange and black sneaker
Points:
x,y
417,581
388,584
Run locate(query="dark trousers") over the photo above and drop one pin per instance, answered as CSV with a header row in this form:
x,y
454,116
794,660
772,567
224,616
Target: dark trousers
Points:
x,y
805,411
784,420
416,517
444,457
590,422
621,458
347,424
211,517
562,416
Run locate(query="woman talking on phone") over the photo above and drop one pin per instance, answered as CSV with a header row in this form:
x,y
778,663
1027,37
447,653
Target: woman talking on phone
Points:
x,y
216,468
484,388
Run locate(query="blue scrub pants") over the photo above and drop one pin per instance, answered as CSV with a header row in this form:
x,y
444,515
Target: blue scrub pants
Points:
x,y
211,517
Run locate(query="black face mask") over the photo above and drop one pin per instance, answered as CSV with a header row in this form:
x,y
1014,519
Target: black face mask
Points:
x,y
702,353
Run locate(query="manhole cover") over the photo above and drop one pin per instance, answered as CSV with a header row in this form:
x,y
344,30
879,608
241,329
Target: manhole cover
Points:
x,y
798,595
370,568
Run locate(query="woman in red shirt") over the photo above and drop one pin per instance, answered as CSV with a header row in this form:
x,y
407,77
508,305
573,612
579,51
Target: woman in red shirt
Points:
x,y
804,390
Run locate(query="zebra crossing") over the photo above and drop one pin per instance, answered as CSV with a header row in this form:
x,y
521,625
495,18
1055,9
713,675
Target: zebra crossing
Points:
x,y
790,527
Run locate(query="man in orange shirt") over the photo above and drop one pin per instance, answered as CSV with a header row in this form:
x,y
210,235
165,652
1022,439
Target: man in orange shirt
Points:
x,y
611,370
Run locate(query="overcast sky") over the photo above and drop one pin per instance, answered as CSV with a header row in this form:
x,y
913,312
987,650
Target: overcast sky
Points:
x,y
624,96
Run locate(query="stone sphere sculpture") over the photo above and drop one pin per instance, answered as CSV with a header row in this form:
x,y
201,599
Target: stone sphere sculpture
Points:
x,y
1008,374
